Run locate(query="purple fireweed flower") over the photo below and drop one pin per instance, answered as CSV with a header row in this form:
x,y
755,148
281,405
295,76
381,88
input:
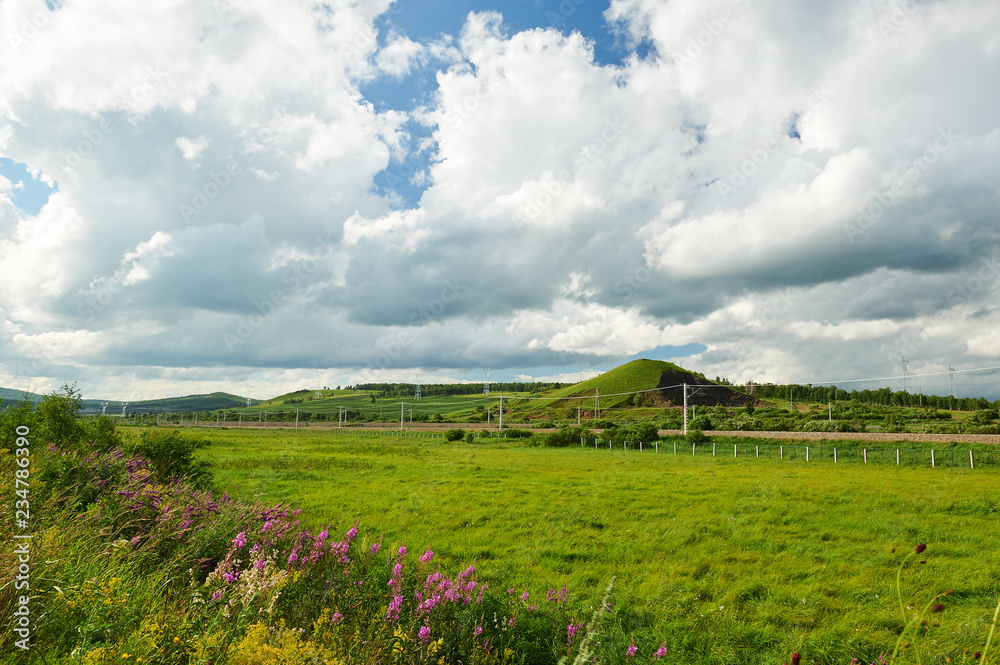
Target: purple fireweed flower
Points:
x,y
524,596
231,577
402,551
259,565
217,595
375,548
426,556
425,634
393,613
478,630
466,574
240,540
571,630
511,621
185,525
337,616
294,556
631,650
661,652
135,541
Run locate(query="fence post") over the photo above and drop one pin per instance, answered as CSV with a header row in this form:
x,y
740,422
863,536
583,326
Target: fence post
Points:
x,y
865,451
897,456
657,446
972,464
713,449
781,452
807,453
932,458
692,448
675,447
834,455
734,451
640,446
757,450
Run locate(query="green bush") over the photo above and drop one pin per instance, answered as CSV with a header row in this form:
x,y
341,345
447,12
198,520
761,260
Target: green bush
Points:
x,y
569,436
454,435
171,457
57,418
469,437
702,423
697,436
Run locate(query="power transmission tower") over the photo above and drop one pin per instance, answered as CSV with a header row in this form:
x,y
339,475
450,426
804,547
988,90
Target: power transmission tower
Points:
x,y
319,383
486,384
951,377
416,395
249,394
906,373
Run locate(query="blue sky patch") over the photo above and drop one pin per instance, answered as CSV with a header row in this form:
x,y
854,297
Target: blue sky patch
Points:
x,y
29,194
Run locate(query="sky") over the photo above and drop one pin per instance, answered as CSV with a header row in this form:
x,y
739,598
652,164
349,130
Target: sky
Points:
x,y
196,196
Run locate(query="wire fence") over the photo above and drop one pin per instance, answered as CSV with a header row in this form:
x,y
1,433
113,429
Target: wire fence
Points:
x,y
911,457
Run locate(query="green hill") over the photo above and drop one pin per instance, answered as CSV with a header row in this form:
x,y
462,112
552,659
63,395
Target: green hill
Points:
x,y
204,402
11,397
661,380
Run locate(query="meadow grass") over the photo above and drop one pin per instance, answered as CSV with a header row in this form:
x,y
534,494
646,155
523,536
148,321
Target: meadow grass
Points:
x,y
724,561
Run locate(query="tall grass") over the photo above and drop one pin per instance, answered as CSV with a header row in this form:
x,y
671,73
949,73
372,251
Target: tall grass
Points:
x,y
489,553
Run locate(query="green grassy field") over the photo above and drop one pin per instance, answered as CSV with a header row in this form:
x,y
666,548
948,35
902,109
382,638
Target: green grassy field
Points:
x,y
719,557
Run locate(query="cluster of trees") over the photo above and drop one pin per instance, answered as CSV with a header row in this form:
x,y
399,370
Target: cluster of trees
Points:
x,y
396,390
881,396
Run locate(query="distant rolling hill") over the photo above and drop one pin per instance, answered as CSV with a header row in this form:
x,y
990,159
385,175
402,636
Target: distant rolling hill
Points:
x,y
663,381
205,402
11,397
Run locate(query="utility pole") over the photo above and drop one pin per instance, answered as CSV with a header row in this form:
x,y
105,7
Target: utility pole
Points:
x,y
830,406
685,408
577,415
340,418
296,418
597,404
501,414
401,416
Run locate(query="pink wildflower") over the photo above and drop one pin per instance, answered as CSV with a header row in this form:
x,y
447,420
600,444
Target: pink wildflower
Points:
x,y
661,652
402,551
240,540
425,634
426,556
631,650
478,630
375,548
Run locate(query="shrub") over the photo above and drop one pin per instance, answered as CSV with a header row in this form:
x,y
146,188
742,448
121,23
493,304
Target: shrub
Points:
x,y
171,457
697,436
57,417
569,436
702,423
454,435
469,437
